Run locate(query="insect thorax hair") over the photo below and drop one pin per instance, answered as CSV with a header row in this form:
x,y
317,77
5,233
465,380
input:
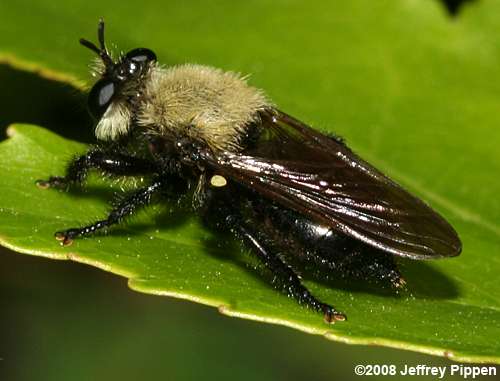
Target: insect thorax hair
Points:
x,y
193,101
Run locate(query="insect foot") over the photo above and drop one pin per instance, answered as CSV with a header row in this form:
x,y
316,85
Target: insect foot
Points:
x,y
399,283
331,315
66,237
52,182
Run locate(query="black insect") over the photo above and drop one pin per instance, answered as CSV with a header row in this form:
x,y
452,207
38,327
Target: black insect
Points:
x,y
284,189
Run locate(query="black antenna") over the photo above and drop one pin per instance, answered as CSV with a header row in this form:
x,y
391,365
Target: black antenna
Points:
x,y
100,35
102,51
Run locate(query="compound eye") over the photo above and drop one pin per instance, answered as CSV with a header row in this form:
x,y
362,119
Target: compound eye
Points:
x,y
100,97
141,56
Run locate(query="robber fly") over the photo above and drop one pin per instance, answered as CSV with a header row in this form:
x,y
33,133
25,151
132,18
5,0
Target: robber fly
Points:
x,y
281,187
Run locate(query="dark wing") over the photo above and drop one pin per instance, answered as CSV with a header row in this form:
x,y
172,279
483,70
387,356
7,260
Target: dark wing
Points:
x,y
320,177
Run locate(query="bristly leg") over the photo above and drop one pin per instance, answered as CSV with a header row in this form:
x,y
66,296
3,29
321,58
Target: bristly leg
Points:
x,y
125,208
112,163
289,279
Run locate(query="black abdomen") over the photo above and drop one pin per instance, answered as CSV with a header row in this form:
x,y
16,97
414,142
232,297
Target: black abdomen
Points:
x,y
301,239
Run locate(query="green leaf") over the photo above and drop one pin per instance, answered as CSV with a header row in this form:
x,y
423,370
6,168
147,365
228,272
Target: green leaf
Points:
x,y
412,91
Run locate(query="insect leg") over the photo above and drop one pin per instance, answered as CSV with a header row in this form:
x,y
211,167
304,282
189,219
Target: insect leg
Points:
x,y
112,163
290,280
230,207
128,206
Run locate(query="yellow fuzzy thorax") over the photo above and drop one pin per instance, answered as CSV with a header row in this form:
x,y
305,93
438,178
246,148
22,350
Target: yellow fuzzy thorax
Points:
x,y
199,102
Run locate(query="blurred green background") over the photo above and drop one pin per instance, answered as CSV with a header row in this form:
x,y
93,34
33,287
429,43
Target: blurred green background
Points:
x,y
66,321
